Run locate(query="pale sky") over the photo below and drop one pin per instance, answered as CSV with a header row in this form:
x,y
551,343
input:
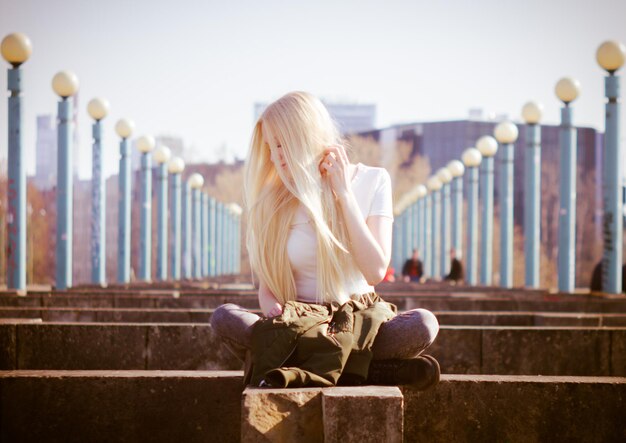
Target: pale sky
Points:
x,y
194,69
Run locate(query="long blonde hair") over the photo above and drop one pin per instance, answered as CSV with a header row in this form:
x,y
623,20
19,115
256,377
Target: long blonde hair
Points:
x,y
300,124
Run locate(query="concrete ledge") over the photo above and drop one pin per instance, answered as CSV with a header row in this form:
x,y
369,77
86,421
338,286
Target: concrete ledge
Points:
x,y
517,408
460,350
202,315
161,406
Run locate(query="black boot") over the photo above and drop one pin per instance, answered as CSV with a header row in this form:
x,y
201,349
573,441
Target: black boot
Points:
x,y
420,372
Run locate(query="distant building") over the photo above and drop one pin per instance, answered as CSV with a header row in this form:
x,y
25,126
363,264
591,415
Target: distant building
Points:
x,y
46,152
350,118
46,148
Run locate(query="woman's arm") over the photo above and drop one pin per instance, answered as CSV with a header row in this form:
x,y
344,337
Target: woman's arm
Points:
x,y
268,303
370,241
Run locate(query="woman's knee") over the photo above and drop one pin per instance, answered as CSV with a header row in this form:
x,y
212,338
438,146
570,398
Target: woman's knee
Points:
x,y
221,315
429,325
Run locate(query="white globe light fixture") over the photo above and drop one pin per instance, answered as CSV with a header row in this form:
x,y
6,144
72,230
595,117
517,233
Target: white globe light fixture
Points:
x,y
16,48
421,191
444,175
611,55
98,108
567,89
196,180
532,112
162,155
176,165
433,183
487,145
472,157
456,168
506,132
65,84
145,143
124,127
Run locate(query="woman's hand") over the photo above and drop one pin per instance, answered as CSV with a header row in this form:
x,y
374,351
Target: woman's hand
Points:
x,y
275,311
334,167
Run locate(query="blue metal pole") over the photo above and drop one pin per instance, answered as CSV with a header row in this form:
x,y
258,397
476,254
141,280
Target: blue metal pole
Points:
x,y
64,196
428,236
197,233
612,221
98,219
419,221
163,242
212,236
472,225
145,239
205,235
436,234
506,215
567,212
486,169
16,217
123,236
445,229
219,237
457,216
395,244
532,205
238,245
175,212
406,233
186,230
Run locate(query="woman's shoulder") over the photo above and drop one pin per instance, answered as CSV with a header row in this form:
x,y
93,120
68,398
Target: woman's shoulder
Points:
x,y
373,172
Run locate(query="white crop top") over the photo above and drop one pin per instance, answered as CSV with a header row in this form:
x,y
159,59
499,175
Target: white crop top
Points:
x,y
372,189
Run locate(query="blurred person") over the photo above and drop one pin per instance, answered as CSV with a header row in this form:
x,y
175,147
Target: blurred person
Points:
x,y
413,270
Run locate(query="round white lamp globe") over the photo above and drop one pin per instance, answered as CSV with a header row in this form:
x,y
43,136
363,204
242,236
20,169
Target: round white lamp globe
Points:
x,y
196,180
176,165
16,48
124,127
611,55
98,108
472,157
487,145
162,155
506,132
145,143
456,168
567,89
532,112
65,84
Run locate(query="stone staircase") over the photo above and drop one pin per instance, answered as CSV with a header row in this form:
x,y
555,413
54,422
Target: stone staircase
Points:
x,y
122,365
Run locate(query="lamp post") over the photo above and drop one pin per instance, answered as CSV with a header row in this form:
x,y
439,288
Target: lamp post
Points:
x,y
457,170
506,133
219,239
434,186
488,146
16,49
531,113
196,182
611,56
421,192
145,144
212,236
186,221
124,129
98,108
567,89
162,156
205,235
237,211
445,177
175,168
428,232
64,84
472,158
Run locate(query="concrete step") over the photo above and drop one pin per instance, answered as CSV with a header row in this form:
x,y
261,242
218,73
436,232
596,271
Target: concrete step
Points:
x,y
198,406
459,349
471,408
133,406
202,315
433,302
